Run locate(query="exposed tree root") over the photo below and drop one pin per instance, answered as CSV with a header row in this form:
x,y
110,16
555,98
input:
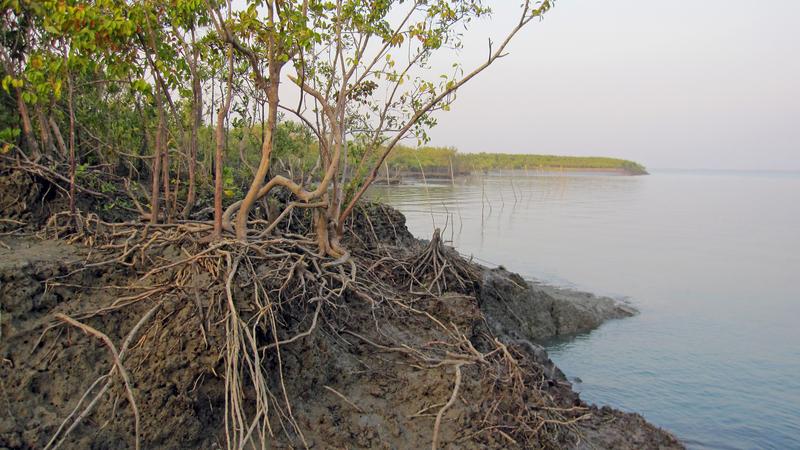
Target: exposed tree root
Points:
x,y
440,414
264,295
438,269
118,367
260,279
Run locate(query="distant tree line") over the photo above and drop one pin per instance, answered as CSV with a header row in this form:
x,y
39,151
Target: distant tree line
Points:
x,y
442,159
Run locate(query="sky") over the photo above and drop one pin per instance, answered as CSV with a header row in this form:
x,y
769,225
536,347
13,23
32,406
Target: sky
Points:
x,y
711,84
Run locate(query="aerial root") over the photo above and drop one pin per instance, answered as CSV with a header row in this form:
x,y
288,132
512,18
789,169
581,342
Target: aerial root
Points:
x,y
438,269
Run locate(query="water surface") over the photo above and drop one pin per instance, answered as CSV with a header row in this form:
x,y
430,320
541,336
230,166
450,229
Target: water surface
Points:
x,y
712,260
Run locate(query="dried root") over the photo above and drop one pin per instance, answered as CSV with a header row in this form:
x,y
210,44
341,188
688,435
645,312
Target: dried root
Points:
x,y
258,284
274,292
512,403
58,438
439,269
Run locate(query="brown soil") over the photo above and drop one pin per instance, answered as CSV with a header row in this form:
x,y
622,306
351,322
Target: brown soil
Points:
x,y
370,374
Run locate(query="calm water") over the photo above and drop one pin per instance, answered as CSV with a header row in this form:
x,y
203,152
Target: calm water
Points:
x,y
712,260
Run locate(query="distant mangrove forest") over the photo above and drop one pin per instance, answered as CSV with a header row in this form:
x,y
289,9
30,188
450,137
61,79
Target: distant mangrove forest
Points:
x,y
441,160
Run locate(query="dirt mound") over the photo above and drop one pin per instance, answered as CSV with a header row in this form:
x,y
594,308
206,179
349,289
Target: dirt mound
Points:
x,y
343,356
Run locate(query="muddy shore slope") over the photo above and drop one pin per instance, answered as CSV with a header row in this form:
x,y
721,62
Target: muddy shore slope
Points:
x,y
388,368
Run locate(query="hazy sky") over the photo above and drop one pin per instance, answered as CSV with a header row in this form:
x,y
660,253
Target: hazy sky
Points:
x,y
689,84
